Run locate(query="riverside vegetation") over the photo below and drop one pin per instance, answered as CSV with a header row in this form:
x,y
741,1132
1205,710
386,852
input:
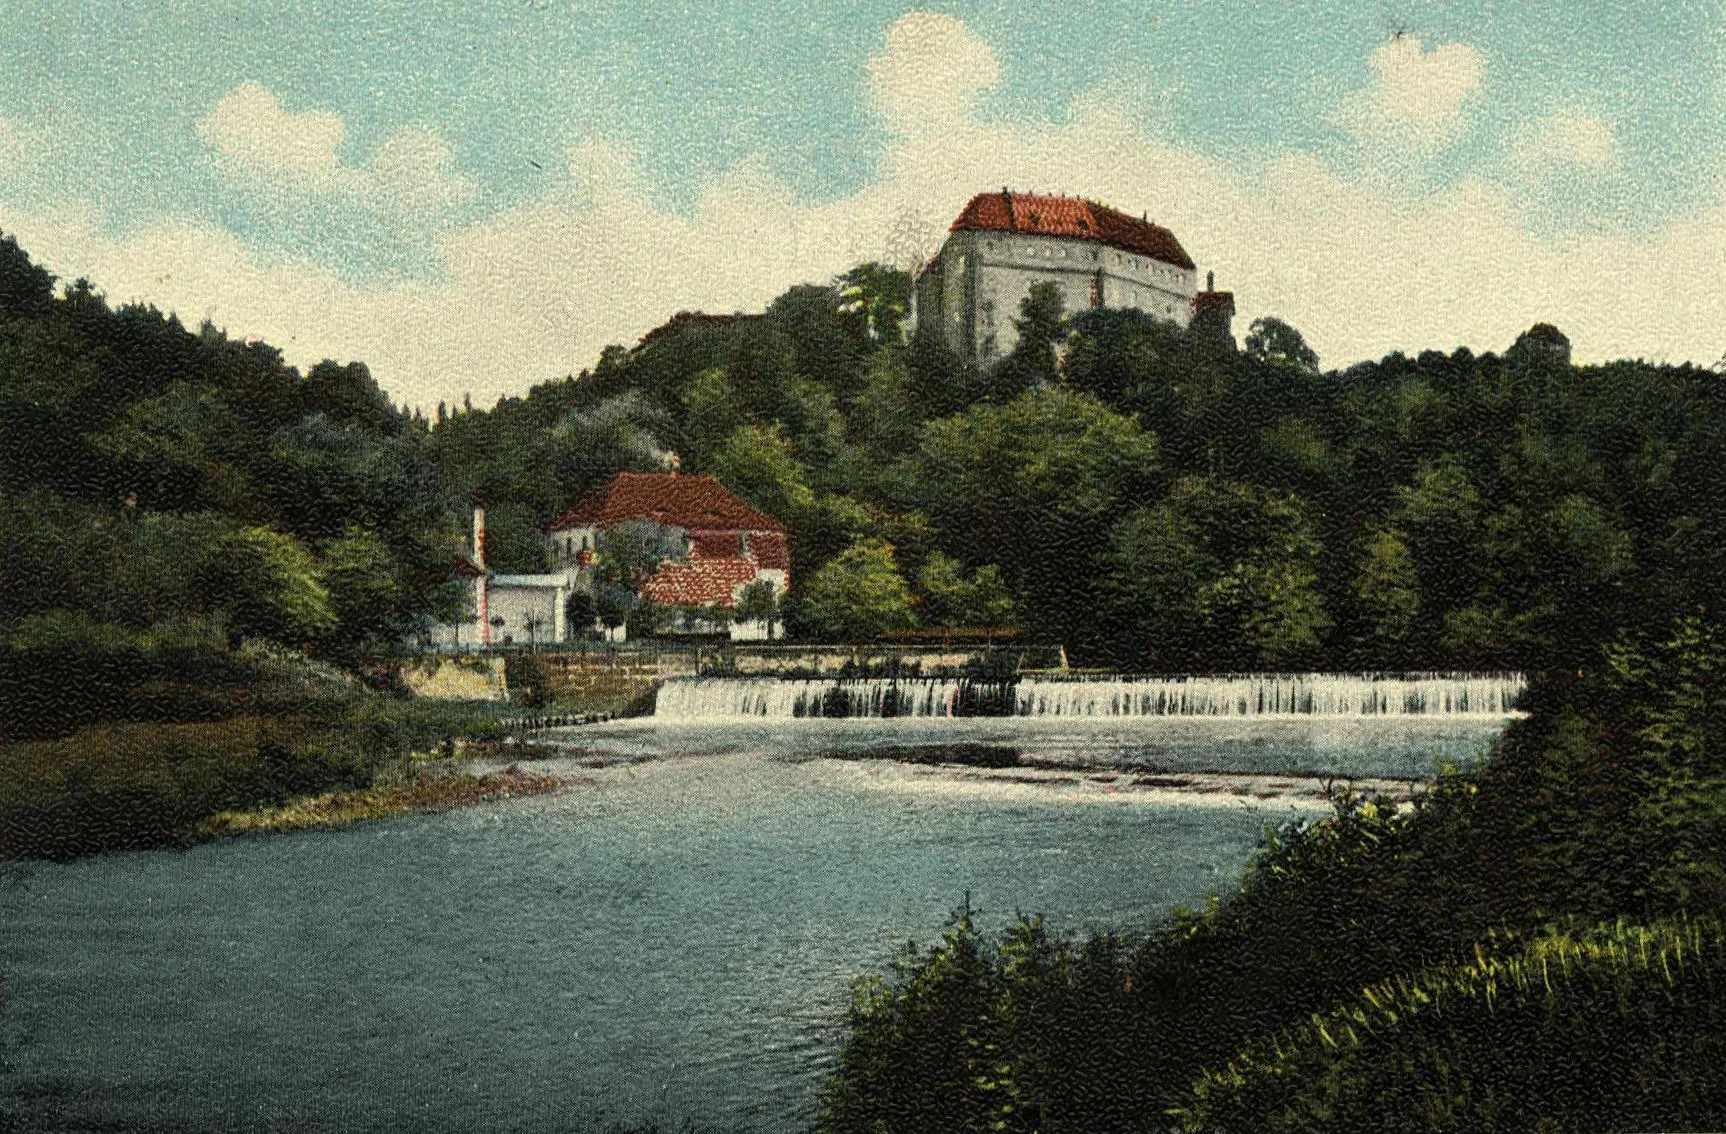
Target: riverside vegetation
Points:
x,y
1154,500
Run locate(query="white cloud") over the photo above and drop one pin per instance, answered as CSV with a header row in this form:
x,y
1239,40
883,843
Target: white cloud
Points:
x,y
249,128
1417,99
931,73
268,150
1571,138
535,292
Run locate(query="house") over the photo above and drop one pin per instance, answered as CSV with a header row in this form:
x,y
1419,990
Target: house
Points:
x,y
1002,244
506,610
705,546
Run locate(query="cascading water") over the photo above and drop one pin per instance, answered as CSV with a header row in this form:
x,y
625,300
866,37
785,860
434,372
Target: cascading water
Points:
x,y
1239,695
781,698
1262,695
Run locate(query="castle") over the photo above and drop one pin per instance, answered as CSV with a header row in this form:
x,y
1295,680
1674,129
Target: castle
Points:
x,y
1004,243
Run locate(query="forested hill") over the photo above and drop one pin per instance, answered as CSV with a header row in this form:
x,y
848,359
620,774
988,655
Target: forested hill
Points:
x,y
1148,497
1153,498
168,485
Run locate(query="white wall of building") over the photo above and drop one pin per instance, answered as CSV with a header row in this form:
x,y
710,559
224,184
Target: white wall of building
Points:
x,y
974,290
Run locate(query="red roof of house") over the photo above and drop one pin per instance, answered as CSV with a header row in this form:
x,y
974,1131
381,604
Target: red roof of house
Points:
x,y
770,550
716,545
701,581
1214,301
1071,217
698,503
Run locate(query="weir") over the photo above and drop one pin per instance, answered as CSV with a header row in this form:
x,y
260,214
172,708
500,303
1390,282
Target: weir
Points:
x,y
1233,695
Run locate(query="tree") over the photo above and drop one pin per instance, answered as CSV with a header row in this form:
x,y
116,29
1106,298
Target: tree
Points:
x,y
1032,486
579,612
1269,339
1218,573
269,585
947,598
759,602
365,594
881,295
858,595
26,288
1388,591
1042,326
756,463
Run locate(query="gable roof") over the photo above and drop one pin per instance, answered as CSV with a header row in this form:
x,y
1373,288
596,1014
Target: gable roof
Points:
x,y
672,499
1072,217
701,581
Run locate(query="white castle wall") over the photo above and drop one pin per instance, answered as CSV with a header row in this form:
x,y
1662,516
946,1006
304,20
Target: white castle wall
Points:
x,y
974,292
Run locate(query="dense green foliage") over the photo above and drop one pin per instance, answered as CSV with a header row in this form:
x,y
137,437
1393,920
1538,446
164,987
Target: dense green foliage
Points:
x,y
1619,1028
158,480
1153,497
190,732
1608,802
171,504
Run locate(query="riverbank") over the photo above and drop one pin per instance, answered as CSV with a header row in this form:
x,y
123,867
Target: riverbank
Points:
x,y
134,785
416,790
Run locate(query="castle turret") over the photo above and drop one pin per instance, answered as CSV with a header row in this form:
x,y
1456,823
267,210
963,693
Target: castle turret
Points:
x,y
1214,312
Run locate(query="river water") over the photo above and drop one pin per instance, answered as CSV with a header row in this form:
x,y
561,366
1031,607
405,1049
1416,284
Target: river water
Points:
x,y
673,937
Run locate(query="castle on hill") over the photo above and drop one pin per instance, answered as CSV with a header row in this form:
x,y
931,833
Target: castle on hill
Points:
x,y
1002,244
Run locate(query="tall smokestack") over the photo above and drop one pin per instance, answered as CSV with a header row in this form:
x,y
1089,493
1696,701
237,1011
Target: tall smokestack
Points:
x,y
481,599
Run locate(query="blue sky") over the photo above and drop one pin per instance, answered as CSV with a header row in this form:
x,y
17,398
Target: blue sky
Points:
x,y
511,185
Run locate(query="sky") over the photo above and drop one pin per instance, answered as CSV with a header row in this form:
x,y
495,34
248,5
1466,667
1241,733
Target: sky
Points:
x,y
473,198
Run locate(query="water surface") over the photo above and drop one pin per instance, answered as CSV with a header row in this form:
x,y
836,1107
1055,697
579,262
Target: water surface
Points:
x,y
672,937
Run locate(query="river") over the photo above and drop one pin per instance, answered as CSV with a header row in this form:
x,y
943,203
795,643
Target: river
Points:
x,y
673,937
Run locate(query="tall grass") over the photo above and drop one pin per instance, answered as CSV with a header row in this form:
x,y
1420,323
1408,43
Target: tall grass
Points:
x,y
1622,1027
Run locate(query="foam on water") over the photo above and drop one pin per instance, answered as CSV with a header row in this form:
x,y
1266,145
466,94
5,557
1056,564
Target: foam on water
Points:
x,y
1237,695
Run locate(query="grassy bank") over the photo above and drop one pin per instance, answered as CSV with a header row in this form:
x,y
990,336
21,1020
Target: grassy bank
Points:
x,y
132,784
396,793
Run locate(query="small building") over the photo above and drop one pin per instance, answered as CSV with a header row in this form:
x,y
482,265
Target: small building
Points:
x,y
709,547
503,609
1002,244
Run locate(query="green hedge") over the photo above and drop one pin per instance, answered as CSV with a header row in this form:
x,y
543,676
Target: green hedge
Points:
x,y
1619,1028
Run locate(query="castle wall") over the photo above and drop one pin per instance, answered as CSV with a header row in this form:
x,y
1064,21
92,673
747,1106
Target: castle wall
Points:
x,y
973,293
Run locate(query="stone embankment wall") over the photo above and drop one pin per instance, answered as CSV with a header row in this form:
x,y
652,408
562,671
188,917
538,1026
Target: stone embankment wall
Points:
x,y
457,679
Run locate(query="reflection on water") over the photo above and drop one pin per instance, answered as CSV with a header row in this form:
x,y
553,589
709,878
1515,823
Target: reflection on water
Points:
x,y
671,939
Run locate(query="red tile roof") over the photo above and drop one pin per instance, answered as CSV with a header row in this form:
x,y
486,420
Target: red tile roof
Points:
x,y
698,503
701,581
1214,301
1071,217
715,545
770,550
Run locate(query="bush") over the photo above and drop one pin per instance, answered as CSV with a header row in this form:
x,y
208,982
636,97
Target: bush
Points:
x,y
1620,1028
128,786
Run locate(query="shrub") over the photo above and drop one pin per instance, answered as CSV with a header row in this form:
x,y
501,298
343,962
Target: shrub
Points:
x,y
1619,1028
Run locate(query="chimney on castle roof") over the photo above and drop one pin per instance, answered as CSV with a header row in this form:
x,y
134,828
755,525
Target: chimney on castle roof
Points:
x,y
1210,281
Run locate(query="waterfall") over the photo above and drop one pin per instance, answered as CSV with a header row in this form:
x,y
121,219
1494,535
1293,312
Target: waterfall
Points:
x,y
1237,695
781,698
1271,695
